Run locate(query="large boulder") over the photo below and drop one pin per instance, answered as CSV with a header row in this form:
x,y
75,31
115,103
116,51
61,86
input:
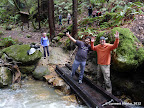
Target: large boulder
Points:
x,y
130,53
5,77
40,71
19,54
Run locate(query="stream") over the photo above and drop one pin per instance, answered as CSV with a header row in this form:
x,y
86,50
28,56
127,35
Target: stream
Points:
x,y
34,94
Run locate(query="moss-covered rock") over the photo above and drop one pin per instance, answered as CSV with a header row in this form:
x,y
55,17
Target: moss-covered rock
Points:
x,y
19,54
40,71
5,77
127,56
27,69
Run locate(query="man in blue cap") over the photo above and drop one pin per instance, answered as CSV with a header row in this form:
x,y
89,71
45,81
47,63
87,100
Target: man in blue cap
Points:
x,y
103,60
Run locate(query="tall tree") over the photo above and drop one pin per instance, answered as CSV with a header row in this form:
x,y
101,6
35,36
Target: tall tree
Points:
x,y
51,18
74,19
39,14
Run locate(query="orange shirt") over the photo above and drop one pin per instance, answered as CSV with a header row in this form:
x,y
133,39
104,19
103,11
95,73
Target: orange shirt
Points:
x,y
104,52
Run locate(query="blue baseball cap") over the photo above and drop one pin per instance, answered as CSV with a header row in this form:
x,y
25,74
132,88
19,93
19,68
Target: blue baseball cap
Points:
x,y
102,38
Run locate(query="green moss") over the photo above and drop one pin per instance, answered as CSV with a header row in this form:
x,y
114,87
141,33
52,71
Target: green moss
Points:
x,y
27,69
19,53
9,79
128,57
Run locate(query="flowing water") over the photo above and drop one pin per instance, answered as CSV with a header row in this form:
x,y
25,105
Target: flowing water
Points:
x,y
34,94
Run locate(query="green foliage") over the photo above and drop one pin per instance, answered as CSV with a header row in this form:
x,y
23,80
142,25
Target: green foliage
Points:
x,y
116,8
1,33
61,34
8,27
28,36
69,28
48,35
7,41
86,21
99,34
11,2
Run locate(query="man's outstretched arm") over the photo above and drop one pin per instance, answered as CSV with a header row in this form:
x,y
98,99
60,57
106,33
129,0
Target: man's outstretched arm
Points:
x,y
92,44
115,45
71,38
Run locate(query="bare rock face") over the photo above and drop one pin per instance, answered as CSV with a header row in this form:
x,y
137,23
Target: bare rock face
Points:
x,y
58,56
70,98
58,83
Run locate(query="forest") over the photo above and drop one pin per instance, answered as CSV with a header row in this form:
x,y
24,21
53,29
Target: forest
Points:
x,y
23,21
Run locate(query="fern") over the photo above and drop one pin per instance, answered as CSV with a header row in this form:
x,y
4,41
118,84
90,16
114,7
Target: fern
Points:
x,y
11,2
116,7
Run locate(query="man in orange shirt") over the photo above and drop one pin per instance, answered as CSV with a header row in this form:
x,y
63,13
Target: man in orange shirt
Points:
x,y
103,59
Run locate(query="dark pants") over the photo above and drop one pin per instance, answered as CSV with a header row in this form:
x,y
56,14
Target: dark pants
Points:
x,y
60,22
68,21
46,48
90,12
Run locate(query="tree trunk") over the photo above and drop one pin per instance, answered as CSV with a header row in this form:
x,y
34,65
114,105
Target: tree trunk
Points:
x,y
74,19
51,18
39,14
53,14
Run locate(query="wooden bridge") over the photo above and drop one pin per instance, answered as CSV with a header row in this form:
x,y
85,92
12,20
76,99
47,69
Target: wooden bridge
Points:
x,y
93,95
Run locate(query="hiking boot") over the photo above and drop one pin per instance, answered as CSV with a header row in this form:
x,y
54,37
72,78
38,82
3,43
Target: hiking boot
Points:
x,y
80,81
